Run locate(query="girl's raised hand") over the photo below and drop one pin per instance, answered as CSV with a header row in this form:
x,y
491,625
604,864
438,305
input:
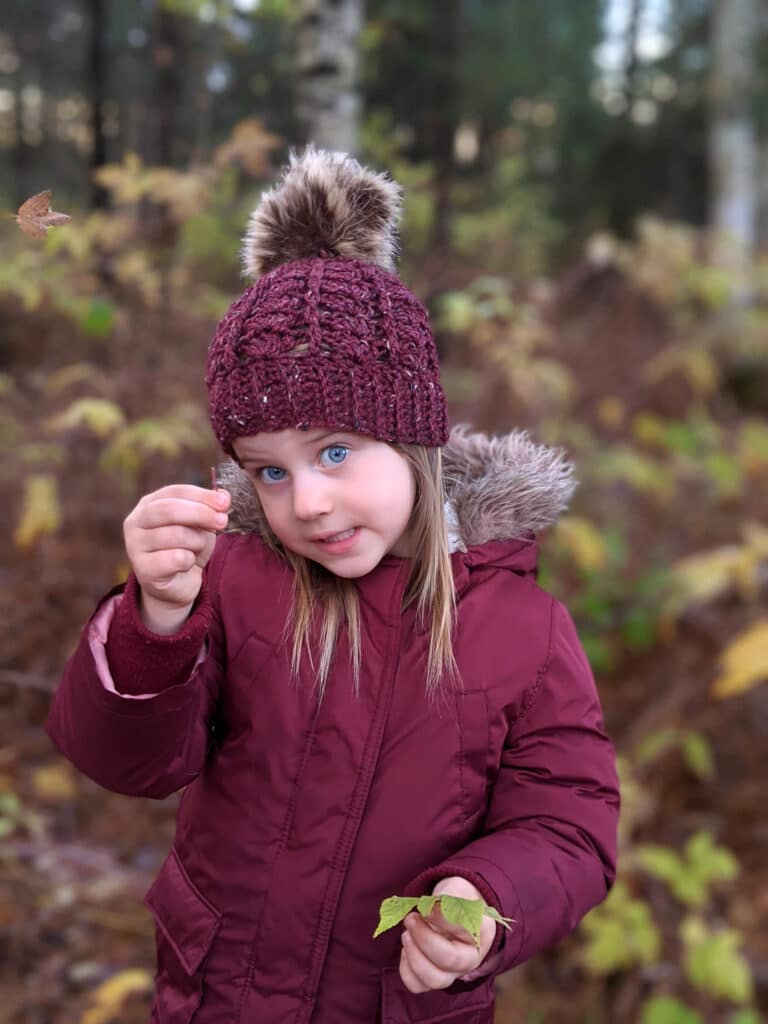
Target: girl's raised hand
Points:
x,y
169,538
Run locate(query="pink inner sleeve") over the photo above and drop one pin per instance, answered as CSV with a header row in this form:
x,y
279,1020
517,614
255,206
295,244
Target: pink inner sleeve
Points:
x,y
97,639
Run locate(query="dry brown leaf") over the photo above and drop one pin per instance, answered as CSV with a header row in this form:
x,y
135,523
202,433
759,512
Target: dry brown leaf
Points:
x,y
35,216
250,145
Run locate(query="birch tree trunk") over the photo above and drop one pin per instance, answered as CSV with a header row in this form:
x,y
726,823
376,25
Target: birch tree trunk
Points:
x,y
762,199
733,151
327,59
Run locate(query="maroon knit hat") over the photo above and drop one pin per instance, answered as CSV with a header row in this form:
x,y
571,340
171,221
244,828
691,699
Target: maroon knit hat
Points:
x,y
327,335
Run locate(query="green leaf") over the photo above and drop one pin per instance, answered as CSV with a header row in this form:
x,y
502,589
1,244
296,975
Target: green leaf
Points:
x,y
393,910
666,1010
689,878
621,934
746,1017
98,318
493,913
465,913
425,905
713,961
698,754
655,744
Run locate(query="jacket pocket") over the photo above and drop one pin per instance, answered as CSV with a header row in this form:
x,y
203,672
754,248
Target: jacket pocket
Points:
x,y
474,737
399,1006
185,926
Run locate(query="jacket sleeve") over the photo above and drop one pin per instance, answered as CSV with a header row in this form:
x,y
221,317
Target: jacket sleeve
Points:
x,y
154,739
548,849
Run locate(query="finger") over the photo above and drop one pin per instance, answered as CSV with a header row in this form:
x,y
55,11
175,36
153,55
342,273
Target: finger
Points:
x,y
189,492
409,979
182,512
164,565
449,953
424,970
164,537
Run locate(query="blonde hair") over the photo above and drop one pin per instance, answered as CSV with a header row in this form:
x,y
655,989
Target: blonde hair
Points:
x,y
430,585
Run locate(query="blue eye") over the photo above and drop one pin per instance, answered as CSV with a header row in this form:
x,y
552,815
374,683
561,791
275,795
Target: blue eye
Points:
x,y
271,474
336,454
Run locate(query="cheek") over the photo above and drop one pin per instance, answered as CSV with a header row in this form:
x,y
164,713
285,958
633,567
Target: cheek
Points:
x,y
272,513
395,493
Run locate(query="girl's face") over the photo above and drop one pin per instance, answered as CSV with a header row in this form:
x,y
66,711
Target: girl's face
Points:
x,y
342,499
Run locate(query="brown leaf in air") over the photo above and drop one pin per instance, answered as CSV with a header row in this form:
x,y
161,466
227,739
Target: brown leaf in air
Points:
x,y
35,216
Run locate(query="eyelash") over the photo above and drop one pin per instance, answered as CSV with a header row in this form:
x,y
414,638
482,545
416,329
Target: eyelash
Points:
x,y
263,469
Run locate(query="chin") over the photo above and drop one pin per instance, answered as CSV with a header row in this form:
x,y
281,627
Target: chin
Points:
x,y
350,572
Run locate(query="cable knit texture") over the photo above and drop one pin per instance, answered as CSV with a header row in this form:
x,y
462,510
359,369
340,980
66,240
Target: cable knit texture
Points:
x,y
332,342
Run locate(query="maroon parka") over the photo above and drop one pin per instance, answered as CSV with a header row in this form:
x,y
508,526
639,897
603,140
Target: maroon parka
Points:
x,y
296,820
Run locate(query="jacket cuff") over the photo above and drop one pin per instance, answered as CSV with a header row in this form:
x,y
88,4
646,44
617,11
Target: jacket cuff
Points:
x,y
144,662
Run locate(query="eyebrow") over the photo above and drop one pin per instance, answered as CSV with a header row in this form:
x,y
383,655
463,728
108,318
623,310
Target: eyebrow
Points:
x,y
260,457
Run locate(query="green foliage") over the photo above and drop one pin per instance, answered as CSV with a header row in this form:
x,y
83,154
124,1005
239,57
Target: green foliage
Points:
x,y
666,1010
510,224
621,934
713,962
14,817
694,747
691,876
183,428
745,1017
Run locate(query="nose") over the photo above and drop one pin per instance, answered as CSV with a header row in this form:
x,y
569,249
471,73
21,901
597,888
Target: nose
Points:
x,y
311,496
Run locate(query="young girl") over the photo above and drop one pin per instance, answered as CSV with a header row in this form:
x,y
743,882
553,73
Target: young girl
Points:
x,y
358,684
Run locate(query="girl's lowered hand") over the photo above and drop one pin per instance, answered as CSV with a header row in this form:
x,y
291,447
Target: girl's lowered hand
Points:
x,y
169,538
435,952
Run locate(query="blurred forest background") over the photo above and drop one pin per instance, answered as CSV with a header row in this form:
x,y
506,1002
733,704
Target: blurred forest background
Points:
x,y
587,219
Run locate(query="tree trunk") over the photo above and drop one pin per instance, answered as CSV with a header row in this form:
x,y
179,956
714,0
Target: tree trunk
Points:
x,y
732,144
630,53
762,199
327,58
445,26
167,46
96,88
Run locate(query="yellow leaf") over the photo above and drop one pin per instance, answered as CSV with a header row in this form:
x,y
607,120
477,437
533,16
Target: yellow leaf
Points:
x,y
703,577
611,411
54,782
40,511
75,373
583,542
695,364
744,662
648,428
110,996
99,415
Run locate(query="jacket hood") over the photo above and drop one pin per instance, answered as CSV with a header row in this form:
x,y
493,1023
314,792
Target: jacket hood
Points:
x,y
497,488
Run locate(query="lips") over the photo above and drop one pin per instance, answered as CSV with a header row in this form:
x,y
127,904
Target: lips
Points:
x,y
334,538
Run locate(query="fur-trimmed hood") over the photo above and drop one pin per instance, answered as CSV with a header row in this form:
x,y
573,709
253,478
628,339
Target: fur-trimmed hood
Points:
x,y
497,488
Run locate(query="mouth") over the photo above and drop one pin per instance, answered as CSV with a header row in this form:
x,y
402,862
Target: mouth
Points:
x,y
338,541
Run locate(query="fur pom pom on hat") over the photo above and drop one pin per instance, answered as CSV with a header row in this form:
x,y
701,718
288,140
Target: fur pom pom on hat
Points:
x,y
325,204
327,335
